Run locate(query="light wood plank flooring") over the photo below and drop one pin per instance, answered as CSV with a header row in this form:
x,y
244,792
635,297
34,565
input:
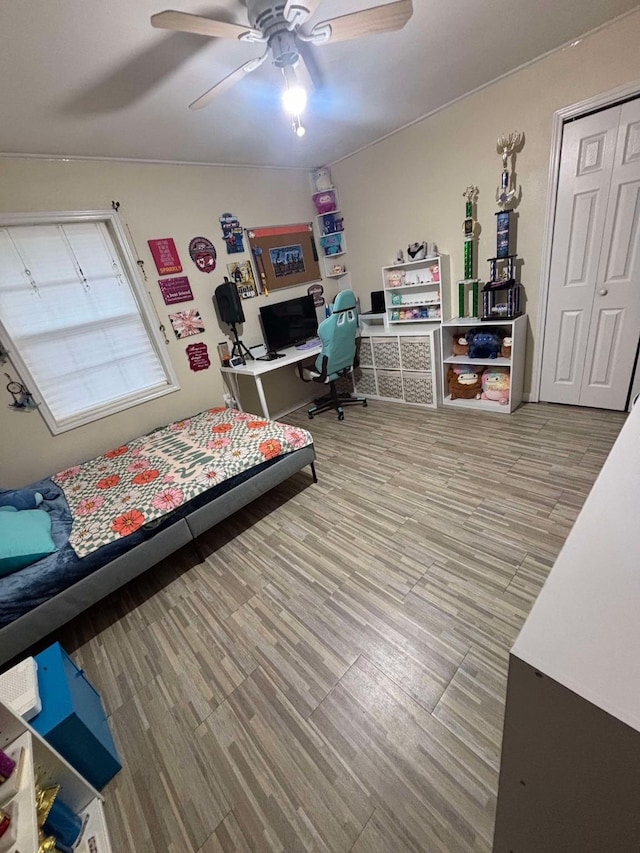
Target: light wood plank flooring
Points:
x,y
326,670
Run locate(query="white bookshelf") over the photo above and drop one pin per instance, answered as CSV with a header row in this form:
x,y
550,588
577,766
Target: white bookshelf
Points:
x,y
41,760
418,296
516,330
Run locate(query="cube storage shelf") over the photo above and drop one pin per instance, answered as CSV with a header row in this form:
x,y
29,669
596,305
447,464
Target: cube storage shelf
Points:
x,y
418,296
39,758
400,364
517,330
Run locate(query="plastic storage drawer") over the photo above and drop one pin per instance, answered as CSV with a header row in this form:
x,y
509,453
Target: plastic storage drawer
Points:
x,y
73,719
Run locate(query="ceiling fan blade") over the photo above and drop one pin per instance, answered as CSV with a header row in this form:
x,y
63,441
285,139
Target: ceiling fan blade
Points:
x,y
227,82
379,19
296,12
185,23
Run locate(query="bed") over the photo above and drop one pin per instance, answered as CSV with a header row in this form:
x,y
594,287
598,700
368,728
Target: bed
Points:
x,y
115,516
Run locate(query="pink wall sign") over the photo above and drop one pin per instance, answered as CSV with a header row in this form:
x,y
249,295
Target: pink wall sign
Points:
x,y
165,256
175,289
198,356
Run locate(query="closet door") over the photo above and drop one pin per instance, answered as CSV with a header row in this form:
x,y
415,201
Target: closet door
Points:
x,y
593,309
615,316
586,164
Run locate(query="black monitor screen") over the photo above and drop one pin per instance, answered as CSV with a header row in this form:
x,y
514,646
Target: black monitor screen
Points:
x,y
288,323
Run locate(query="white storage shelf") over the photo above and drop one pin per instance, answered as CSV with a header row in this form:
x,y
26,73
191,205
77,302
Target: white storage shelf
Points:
x,y
400,364
421,289
42,760
517,330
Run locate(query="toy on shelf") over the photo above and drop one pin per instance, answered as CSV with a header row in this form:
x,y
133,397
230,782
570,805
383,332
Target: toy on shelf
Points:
x,y
332,244
485,342
325,201
338,269
417,251
396,278
505,351
460,345
495,384
332,223
465,382
321,179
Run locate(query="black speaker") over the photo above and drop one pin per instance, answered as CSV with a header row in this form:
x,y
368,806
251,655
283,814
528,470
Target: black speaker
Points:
x,y
229,303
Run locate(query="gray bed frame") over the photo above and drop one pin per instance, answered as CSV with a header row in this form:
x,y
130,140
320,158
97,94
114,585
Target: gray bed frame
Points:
x,y
52,614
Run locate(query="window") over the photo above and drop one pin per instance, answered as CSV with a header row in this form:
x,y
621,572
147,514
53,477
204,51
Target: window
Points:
x,y
77,323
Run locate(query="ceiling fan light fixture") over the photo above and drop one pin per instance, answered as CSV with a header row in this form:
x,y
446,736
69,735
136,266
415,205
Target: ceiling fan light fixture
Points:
x,y
294,97
298,128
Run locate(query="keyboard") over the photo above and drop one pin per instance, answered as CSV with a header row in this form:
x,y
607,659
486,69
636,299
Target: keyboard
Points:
x,y
312,344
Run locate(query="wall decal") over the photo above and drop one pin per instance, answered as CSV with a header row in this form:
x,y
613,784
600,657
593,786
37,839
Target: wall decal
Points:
x,y
165,256
232,233
203,254
187,323
175,290
198,356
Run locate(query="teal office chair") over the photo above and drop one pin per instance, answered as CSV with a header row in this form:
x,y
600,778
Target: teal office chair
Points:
x,y
338,357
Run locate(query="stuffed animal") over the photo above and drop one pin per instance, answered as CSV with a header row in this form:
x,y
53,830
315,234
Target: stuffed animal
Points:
x,y
20,498
495,384
465,382
460,345
325,201
395,278
505,350
322,179
485,342
417,251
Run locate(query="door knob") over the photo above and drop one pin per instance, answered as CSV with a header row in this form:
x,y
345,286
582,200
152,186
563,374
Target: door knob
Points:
x,y
603,291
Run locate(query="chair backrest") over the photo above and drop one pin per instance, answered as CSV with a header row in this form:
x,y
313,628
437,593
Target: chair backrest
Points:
x,y
338,335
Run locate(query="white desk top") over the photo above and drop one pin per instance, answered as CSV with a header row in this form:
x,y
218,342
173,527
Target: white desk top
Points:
x,y
584,629
292,355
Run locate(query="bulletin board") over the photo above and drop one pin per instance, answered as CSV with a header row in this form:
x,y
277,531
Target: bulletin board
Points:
x,y
284,255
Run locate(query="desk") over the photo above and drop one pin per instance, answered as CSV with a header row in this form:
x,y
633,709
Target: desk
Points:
x,y
257,369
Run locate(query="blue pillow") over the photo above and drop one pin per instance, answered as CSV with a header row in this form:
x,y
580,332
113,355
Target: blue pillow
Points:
x,y
25,537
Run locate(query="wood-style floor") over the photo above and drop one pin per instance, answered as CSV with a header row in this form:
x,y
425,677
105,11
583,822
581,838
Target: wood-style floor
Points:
x,y
326,670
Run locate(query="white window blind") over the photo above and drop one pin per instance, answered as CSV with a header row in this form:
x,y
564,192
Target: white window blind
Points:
x,y
75,319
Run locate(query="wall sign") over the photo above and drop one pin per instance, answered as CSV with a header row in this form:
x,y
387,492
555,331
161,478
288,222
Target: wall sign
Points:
x,y
203,254
187,323
165,256
241,274
232,233
316,290
175,290
198,356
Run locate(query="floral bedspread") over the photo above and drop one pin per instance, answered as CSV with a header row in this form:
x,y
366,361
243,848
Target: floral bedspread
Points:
x,y
117,493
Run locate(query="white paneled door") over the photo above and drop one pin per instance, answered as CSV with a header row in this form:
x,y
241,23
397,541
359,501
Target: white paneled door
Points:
x,y
593,309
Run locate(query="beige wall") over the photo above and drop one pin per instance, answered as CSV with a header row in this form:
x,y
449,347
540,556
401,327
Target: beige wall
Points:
x,y
157,201
409,187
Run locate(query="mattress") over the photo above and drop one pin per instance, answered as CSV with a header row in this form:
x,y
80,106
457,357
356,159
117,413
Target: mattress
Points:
x,y
25,590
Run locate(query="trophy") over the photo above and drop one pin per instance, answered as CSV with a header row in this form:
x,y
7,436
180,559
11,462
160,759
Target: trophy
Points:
x,y
501,294
469,282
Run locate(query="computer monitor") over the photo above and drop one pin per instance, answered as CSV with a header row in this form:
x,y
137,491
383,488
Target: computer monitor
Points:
x,y
288,323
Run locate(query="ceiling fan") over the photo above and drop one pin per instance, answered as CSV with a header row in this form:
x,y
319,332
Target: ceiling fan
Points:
x,y
278,25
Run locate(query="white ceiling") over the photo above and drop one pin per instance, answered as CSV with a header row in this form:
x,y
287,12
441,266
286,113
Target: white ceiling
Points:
x,y
93,78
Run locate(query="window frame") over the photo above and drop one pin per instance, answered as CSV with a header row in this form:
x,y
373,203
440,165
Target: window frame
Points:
x,y
143,301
